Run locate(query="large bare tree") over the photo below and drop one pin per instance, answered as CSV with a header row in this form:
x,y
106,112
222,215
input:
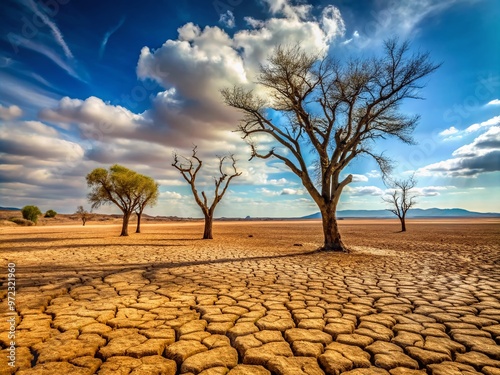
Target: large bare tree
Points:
x,y
332,112
401,199
189,169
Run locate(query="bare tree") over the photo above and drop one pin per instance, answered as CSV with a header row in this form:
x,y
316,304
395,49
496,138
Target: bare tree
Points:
x,y
333,112
401,199
189,170
83,214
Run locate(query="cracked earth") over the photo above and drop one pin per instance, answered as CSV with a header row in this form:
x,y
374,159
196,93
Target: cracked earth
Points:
x,y
253,302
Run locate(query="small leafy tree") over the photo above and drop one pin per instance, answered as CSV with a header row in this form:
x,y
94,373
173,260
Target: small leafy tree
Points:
x,y
31,213
189,170
118,185
83,214
148,196
401,199
50,213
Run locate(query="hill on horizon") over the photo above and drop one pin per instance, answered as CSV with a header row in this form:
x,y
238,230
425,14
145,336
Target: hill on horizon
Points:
x,y
413,213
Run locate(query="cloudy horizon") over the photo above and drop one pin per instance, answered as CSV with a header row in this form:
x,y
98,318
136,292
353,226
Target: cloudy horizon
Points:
x,y
87,84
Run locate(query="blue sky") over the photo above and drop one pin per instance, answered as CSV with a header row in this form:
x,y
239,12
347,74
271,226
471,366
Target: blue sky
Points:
x,y
85,84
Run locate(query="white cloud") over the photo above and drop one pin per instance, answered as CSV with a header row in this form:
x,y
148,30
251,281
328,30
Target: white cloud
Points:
x,y
359,178
332,22
374,174
402,18
480,156
450,131
288,191
430,191
364,190
491,122
10,113
108,34
170,195
227,19
494,102
53,28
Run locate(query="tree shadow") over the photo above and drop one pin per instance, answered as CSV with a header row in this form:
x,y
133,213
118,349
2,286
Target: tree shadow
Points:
x,y
44,274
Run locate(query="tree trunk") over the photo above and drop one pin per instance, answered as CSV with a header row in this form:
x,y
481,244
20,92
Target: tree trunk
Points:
x,y
331,232
207,234
403,224
126,217
138,230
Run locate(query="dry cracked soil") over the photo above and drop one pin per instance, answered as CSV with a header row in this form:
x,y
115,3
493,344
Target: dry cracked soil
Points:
x,y
256,300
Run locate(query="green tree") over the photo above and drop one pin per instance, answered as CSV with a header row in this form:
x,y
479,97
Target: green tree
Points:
x,y
83,214
332,113
31,213
148,196
118,185
50,213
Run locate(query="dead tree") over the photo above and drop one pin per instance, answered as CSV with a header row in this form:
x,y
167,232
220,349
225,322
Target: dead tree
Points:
x,y
332,112
401,199
189,170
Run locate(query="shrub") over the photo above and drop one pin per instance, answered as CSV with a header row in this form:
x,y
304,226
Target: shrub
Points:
x,y
31,213
50,213
23,222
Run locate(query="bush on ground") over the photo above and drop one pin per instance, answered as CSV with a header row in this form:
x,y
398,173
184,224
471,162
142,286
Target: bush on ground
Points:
x,y
23,222
31,213
50,213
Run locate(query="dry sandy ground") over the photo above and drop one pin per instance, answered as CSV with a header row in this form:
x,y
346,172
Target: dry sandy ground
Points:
x,y
252,302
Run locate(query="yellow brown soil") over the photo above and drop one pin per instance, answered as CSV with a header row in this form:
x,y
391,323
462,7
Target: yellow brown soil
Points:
x,y
255,300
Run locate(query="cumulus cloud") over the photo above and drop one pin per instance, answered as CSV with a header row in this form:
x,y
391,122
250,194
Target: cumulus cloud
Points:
x,y
480,156
364,190
430,191
227,19
494,102
288,191
359,178
170,195
453,133
491,122
10,113
450,131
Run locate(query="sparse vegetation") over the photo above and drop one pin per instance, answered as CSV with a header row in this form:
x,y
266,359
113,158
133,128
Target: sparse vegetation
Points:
x,y
50,214
83,214
31,213
332,112
189,170
23,222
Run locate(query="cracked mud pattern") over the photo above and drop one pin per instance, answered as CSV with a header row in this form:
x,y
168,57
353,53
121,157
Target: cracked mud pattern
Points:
x,y
250,302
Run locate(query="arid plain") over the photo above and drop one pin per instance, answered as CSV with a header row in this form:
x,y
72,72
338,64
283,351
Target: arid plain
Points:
x,y
255,300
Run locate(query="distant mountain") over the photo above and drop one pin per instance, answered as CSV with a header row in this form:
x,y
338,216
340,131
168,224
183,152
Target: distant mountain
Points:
x,y
9,209
413,213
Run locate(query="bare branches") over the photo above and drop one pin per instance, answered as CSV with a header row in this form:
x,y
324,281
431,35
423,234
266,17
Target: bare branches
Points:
x,y
402,198
189,168
331,109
